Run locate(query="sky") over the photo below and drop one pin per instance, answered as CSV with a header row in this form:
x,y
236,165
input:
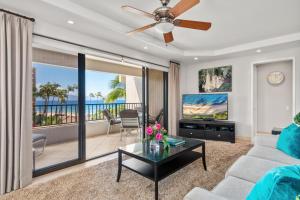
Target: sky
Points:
x,y
95,81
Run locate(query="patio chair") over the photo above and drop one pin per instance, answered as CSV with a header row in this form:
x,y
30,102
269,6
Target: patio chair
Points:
x,y
39,142
152,119
110,119
158,118
129,121
140,113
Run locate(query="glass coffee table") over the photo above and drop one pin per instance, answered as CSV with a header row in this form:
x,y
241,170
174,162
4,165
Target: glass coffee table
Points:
x,y
157,165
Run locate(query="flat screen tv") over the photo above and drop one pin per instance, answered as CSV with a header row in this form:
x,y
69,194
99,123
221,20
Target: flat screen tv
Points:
x,y
205,106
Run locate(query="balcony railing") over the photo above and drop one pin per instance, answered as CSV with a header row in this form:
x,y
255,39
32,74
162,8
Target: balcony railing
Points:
x,y
68,113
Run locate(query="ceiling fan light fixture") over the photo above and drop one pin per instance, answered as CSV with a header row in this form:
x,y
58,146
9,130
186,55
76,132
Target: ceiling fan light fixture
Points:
x,y
164,27
166,18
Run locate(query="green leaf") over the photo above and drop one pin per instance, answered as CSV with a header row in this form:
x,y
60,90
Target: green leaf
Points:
x,y
115,94
297,119
115,83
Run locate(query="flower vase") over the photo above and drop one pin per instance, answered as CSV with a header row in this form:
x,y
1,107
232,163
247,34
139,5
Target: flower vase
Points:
x,y
154,145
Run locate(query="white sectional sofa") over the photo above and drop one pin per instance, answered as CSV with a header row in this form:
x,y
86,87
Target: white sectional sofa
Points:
x,y
246,171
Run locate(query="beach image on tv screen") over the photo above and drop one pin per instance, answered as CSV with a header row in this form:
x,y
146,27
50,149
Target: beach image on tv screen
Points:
x,y
205,106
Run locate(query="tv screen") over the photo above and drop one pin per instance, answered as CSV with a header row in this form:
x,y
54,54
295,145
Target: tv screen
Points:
x,y
205,106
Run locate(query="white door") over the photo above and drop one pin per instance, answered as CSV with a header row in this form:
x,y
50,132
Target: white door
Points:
x,y
274,102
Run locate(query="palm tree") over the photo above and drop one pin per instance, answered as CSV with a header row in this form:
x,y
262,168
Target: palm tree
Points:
x,y
62,95
55,88
71,88
117,92
91,96
46,91
98,95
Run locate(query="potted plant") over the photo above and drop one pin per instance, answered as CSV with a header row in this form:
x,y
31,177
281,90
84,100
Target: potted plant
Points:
x,y
156,134
297,120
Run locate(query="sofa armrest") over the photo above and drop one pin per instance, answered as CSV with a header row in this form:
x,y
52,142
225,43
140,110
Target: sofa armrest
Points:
x,y
199,193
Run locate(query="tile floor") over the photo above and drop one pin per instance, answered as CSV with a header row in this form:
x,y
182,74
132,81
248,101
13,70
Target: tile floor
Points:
x,y
95,146
75,168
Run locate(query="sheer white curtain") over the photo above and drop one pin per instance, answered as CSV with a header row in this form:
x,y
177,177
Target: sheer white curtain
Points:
x,y
15,102
174,98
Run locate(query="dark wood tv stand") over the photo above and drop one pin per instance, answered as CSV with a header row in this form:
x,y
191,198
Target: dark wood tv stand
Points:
x,y
209,130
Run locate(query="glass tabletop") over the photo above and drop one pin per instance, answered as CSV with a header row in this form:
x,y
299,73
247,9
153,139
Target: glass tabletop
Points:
x,y
144,151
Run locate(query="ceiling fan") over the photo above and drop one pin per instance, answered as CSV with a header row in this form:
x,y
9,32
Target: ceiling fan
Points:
x,y
165,18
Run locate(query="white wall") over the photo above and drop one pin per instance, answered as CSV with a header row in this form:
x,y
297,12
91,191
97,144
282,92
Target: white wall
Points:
x,y
69,132
134,89
240,97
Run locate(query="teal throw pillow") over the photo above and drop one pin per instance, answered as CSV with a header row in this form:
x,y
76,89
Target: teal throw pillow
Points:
x,y
281,183
289,141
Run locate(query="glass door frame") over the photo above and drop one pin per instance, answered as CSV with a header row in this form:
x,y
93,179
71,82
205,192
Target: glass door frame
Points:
x,y
81,125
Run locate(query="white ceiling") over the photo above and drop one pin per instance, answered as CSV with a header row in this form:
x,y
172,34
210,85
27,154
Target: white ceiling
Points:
x,y
234,23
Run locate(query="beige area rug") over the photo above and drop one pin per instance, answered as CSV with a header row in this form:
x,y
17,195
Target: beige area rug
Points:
x,y
99,182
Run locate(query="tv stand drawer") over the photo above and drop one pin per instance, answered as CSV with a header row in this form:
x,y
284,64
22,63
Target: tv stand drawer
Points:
x,y
221,136
191,133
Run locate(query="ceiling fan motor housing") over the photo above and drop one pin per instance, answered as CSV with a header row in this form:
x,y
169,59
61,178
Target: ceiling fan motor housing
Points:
x,y
163,13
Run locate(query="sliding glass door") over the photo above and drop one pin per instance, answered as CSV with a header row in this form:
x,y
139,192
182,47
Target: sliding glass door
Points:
x,y
110,88
55,108
77,100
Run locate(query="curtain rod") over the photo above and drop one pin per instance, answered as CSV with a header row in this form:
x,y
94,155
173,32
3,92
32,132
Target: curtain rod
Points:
x,y
16,14
175,62
100,50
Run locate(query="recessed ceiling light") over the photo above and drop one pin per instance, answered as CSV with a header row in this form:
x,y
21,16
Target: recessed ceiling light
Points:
x,y
258,51
145,47
70,22
195,58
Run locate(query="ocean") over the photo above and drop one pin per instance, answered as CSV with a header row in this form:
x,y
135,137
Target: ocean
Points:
x,y
73,102
71,107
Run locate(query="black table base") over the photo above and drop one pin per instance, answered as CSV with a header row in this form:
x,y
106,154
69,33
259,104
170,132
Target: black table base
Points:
x,y
159,171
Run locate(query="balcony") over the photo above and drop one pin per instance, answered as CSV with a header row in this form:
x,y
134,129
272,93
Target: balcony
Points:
x,y
59,125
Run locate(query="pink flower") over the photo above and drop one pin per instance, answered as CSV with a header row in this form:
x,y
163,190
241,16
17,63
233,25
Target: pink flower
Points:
x,y
149,130
159,137
158,126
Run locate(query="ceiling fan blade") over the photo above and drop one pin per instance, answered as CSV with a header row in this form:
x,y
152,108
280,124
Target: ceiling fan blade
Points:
x,y
137,11
192,24
141,29
183,6
168,37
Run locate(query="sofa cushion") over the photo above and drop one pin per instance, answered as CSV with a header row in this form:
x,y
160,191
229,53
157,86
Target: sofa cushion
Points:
x,y
289,141
251,168
266,140
199,193
233,188
282,183
273,155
